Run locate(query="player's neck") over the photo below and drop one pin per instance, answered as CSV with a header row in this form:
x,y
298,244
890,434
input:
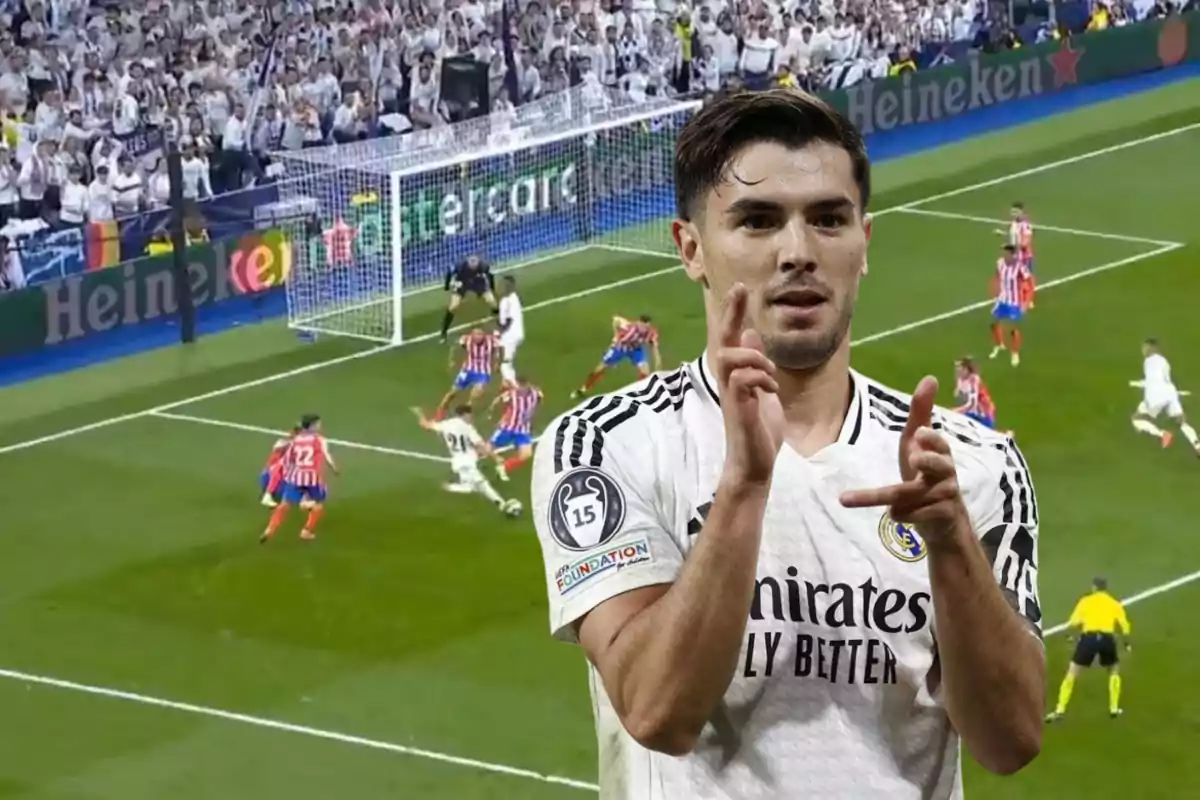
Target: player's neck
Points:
x,y
815,402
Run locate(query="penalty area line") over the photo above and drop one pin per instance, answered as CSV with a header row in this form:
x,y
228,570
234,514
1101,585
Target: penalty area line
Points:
x,y
349,445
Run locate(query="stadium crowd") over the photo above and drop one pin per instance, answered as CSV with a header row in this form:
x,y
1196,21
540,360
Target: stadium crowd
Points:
x,y
84,82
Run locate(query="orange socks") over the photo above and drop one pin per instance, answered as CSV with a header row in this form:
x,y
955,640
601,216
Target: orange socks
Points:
x,y
314,517
512,463
593,379
277,517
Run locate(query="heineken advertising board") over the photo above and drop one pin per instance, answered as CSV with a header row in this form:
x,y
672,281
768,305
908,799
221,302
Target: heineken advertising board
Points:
x,y
981,81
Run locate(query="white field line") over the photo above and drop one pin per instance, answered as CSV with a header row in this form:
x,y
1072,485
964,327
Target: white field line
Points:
x,y
1145,594
553,301
1103,151
238,426
304,730
868,339
416,752
316,365
1118,237
1074,276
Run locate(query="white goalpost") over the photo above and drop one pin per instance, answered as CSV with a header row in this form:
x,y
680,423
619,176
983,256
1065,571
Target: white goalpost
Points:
x,y
375,222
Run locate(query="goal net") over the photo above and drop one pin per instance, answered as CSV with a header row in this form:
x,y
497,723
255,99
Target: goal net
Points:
x,y
574,182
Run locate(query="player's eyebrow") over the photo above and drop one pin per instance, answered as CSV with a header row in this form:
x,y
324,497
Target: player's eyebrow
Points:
x,y
828,205
745,206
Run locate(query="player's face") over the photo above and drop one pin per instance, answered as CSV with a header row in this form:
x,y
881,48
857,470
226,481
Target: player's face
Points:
x,y
960,371
788,225
1015,212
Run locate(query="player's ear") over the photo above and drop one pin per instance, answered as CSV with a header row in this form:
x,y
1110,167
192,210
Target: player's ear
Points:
x,y
867,226
687,241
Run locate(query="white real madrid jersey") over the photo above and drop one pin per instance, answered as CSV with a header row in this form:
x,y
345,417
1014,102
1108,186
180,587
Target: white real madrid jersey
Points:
x,y
461,438
1156,375
512,317
833,695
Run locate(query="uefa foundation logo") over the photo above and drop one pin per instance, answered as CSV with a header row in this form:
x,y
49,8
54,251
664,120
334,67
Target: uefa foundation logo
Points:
x,y
901,540
261,260
586,509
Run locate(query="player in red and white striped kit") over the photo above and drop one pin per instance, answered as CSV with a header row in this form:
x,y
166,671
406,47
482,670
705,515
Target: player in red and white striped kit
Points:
x,y
1011,273
1020,234
304,478
630,339
480,349
973,398
516,426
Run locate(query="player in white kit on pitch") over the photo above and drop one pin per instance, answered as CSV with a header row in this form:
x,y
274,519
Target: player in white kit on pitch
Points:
x,y
757,624
512,330
466,447
1159,396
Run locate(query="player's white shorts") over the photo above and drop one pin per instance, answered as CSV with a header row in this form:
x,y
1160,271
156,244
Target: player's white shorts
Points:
x,y
509,342
1154,404
467,472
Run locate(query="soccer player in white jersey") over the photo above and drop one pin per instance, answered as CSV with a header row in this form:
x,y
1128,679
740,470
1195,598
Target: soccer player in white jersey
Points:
x,y
512,330
466,447
1159,396
758,621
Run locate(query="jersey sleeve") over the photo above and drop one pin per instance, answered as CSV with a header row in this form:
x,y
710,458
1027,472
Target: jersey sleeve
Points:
x,y
602,512
1000,499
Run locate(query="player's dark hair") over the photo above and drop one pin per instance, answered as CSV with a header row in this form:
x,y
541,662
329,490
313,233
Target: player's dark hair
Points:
x,y
733,120
1152,341
1019,205
1100,583
1010,248
308,420
967,363
296,429
462,410
509,280
645,318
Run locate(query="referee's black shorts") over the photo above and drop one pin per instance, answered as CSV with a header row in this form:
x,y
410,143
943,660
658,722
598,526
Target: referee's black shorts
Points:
x,y
1096,645
477,286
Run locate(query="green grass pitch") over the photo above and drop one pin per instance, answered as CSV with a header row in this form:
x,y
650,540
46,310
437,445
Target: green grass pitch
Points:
x,y
149,648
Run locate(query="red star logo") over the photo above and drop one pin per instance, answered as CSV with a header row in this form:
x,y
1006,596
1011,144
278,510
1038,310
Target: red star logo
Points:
x,y
339,241
1065,61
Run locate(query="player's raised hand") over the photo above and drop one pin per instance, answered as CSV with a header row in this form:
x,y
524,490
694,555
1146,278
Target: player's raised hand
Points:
x,y
749,395
928,496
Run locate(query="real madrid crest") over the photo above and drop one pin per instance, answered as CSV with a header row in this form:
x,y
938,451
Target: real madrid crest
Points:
x,y
586,509
901,540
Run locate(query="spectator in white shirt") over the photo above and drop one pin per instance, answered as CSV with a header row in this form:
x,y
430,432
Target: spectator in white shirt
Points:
x,y
158,186
8,185
529,80
128,189
33,181
758,57
73,198
100,196
197,183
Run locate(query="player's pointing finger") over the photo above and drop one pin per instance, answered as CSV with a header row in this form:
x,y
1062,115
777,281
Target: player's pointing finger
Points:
x,y
733,318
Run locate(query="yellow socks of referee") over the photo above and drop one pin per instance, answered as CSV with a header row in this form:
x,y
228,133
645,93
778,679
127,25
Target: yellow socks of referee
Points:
x,y
1114,694
1064,693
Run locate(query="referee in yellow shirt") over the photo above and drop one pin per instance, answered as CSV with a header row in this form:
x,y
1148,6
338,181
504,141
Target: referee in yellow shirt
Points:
x,y
1099,617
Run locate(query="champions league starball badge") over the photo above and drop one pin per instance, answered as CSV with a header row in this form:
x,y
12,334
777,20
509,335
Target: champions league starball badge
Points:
x,y
586,509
